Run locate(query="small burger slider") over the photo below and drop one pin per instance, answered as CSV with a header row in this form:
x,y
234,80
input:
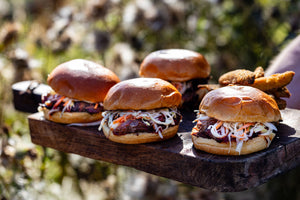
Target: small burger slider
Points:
x,y
185,69
141,110
235,120
79,88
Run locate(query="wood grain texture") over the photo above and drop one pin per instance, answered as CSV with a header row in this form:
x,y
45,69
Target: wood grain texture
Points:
x,y
176,158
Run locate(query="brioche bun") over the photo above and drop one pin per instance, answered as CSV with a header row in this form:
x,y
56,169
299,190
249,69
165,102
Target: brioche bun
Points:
x,y
240,104
175,65
71,117
142,94
138,138
82,79
253,145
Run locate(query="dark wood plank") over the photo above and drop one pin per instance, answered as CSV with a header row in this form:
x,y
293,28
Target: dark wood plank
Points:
x,y
176,158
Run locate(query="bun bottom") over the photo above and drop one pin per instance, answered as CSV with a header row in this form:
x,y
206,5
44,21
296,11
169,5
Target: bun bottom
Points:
x,y
72,117
211,146
139,138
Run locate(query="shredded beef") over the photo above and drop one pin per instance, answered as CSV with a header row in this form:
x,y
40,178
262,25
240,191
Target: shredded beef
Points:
x,y
132,126
206,133
79,106
138,126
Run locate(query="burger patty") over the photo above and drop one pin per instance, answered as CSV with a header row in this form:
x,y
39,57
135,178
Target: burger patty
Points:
x,y
49,102
138,126
205,132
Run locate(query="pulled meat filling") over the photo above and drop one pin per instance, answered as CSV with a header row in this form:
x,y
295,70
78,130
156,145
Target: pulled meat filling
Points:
x,y
204,131
141,125
154,121
55,102
228,132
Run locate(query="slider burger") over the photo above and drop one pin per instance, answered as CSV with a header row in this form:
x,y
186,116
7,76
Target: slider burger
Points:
x,y
79,88
235,120
141,110
183,68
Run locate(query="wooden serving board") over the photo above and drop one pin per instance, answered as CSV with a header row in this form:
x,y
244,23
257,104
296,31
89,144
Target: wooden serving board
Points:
x,y
176,158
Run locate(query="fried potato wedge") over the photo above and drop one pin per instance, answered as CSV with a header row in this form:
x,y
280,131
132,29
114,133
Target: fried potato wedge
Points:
x,y
237,77
241,77
274,81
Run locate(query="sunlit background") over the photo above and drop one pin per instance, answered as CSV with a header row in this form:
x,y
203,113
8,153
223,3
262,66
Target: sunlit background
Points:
x,y
37,35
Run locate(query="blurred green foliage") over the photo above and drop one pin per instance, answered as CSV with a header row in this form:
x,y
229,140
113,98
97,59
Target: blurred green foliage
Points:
x,y
37,35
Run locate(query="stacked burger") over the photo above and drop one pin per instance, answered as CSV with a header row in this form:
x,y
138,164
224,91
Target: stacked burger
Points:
x,y
235,120
185,69
79,88
141,110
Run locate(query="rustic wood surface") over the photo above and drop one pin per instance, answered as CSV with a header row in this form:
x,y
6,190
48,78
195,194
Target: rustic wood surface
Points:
x,y
176,158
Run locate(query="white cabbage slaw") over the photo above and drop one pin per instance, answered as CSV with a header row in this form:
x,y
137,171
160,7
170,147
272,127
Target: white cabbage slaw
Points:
x,y
240,131
149,117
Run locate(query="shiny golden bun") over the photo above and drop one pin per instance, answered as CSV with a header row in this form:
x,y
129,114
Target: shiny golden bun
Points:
x,y
240,104
72,117
175,65
139,138
82,79
253,145
142,94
